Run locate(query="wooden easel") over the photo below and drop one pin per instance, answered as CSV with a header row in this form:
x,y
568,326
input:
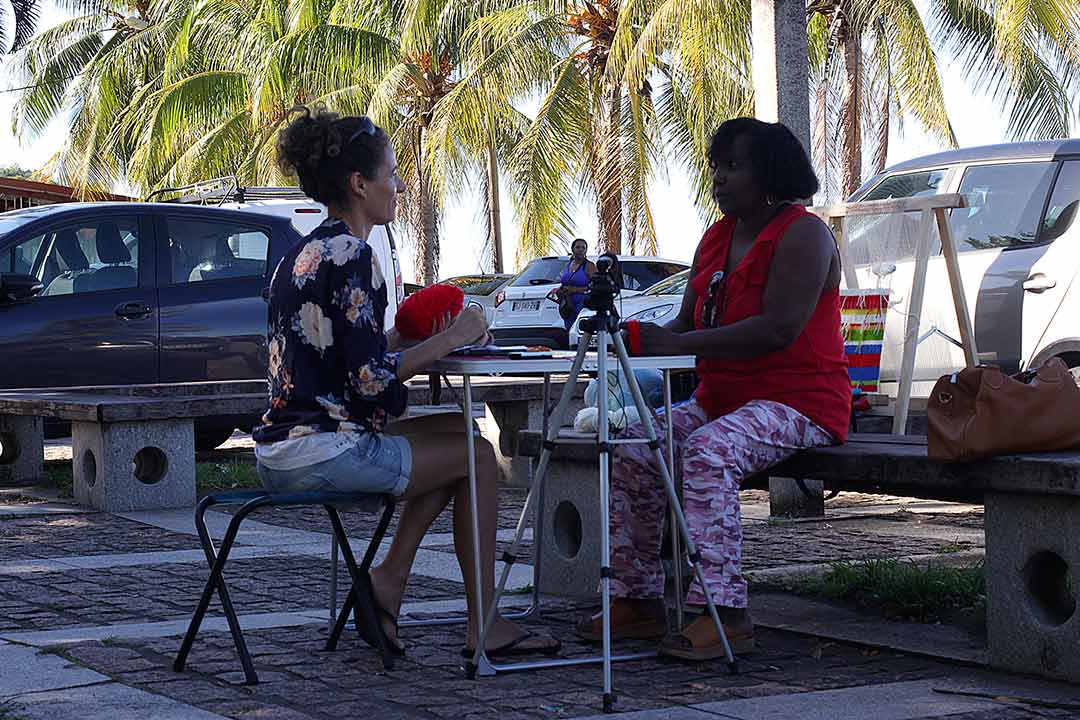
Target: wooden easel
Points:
x,y
933,209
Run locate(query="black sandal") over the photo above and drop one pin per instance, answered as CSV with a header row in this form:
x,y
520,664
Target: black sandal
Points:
x,y
395,646
514,647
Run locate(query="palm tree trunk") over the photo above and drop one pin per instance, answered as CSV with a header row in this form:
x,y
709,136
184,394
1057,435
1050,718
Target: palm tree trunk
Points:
x,y
427,251
494,210
850,119
609,184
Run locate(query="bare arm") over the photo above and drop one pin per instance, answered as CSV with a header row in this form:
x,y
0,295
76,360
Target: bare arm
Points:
x,y
800,269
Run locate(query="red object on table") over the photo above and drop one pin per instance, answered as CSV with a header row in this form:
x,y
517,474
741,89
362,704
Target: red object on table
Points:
x,y
416,317
633,336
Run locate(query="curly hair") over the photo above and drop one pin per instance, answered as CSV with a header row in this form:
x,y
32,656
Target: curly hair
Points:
x,y
778,160
322,149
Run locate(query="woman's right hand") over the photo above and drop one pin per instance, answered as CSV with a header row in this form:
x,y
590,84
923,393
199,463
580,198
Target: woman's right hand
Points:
x,y
469,327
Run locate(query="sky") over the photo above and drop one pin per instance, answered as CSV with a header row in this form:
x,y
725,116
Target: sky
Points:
x,y
976,119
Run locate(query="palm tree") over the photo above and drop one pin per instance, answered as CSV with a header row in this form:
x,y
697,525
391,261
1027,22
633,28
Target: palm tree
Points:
x,y
91,68
601,128
18,21
874,62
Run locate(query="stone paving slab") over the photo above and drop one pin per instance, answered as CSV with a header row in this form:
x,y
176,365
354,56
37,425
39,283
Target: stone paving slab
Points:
x,y
32,538
112,701
788,673
27,670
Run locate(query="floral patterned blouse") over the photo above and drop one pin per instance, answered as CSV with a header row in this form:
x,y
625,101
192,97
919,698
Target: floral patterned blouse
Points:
x,y
329,368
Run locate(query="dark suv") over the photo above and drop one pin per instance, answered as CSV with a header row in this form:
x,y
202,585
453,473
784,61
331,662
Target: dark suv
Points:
x,y
132,293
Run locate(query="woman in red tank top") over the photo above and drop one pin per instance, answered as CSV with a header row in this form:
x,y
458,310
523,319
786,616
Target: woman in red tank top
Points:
x,y
762,314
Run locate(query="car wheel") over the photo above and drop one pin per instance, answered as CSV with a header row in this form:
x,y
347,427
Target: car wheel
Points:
x,y
210,437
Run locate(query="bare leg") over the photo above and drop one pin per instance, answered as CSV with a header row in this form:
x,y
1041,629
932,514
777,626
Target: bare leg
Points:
x,y
439,473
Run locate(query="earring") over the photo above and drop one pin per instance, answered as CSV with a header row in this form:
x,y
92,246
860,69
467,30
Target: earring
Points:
x,y
770,200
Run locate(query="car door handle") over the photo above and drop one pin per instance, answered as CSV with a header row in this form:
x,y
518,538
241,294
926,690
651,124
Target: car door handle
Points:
x,y
133,310
1037,283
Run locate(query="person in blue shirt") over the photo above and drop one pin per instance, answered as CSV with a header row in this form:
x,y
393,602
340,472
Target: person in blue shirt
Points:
x,y
337,376
575,279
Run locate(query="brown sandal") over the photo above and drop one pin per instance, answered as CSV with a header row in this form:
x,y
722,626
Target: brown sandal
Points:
x,y
640,628
682,647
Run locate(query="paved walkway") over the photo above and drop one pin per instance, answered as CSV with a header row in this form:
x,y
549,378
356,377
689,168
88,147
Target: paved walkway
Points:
x,y
92,607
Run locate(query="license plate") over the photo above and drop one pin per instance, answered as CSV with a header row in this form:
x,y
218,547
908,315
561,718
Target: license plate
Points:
x,y
526,305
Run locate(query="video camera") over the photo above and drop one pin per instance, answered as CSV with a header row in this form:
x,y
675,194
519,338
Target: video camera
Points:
x,y
605,284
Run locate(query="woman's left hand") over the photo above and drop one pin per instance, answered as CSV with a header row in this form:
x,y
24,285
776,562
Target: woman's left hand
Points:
x,y
658,340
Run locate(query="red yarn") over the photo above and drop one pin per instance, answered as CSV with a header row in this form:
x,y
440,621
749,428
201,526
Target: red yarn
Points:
x,y
417,315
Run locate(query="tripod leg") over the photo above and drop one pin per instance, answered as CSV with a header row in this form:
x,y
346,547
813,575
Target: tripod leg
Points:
x,y
676,549
604,445
673,497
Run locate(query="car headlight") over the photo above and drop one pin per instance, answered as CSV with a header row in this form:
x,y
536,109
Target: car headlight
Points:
x,y
651,314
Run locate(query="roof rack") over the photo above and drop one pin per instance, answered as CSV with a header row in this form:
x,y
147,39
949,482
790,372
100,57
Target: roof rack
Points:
x,y
218,191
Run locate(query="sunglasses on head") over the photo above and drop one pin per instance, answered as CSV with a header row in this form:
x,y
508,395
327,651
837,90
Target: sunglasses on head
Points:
x,y
366,128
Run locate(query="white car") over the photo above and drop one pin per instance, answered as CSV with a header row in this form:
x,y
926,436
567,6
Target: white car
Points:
x,y
526,309
480,289
305,214
1018,244
659,304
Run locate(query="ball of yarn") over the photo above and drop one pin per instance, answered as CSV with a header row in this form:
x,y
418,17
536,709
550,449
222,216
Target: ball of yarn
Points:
x,y
417,315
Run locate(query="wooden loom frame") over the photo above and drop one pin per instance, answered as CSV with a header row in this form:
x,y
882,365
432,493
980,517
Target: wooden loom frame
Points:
x,y
933,209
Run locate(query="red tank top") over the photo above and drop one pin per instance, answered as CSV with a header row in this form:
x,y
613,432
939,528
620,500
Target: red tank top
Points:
x,y
810,375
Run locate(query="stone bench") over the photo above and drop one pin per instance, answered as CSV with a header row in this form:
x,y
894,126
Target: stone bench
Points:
x,y
133,446
1032,522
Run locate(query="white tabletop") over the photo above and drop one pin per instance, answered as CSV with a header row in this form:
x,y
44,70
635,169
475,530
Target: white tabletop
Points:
x,y
560,363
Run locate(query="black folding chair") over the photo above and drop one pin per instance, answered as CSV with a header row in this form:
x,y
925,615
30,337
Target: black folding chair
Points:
x,y
360,601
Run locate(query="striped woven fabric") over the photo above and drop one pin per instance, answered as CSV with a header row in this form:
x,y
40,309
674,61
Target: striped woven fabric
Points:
x,y
862,320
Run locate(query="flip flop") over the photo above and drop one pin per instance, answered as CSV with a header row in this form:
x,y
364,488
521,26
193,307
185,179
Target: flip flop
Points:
x,y
366,633
514,647
681,647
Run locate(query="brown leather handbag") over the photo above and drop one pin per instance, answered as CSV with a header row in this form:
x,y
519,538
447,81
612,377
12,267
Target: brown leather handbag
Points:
x,y
980,411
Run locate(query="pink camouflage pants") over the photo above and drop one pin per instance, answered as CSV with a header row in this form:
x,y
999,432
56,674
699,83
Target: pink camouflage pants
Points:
x,y
711,460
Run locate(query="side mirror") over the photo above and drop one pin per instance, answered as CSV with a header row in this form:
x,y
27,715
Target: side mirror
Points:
x,y
15,286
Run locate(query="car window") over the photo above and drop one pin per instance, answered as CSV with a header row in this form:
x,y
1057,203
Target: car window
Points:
x,y
88,256
674,285
638,275
542,271
916,184
891,238
204,250
1061,213
22,258
1005,203
476,284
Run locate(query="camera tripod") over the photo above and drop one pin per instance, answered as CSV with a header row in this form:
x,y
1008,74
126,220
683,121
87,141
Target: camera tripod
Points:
x,y
603,326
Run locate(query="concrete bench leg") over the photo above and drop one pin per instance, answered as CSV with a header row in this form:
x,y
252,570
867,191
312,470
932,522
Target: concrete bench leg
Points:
x,y
787,499
502,423
1033,584
145,465
570,540
22,450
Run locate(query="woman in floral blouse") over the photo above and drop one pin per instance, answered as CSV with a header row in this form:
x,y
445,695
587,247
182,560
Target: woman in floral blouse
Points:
x,y
337,377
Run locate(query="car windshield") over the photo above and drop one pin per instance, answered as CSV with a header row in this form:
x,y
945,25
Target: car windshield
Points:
x,y
542,271
477,284
674,285
15,219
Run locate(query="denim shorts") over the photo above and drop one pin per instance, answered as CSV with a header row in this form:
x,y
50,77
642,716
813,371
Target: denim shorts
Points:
x,y
376,463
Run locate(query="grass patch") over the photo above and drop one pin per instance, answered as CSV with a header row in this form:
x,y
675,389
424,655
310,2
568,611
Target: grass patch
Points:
x,y
7,712
209,477
523,590
902,589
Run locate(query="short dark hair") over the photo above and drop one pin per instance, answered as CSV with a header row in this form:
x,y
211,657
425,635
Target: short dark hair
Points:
x,y
575,241
778,160
322,149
